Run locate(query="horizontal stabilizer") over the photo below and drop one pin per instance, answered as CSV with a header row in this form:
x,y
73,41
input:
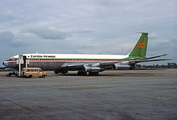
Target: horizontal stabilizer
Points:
x,y
155,56
147,60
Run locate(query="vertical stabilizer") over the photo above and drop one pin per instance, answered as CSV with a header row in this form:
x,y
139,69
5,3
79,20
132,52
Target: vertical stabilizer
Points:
x,y
141,46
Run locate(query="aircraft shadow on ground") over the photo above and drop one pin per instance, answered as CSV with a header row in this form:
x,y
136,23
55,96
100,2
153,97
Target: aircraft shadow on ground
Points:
x,y
119,74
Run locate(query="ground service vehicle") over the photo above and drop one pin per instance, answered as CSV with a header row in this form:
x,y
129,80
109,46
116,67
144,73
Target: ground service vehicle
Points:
x,y
30,72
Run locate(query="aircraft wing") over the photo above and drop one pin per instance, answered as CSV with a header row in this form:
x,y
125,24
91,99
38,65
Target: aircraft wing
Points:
x,y
127,64
73,66
82,64
93,66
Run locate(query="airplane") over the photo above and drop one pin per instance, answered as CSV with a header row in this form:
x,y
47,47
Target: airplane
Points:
x,y
87,63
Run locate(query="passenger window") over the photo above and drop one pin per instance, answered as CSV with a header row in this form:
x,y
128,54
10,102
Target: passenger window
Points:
x,y
36,70
27,70
31,70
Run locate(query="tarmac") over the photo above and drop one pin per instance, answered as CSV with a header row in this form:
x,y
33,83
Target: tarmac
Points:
x,y
113,95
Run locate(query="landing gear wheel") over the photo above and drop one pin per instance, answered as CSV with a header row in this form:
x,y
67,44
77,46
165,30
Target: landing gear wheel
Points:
x,y
81,73
93,73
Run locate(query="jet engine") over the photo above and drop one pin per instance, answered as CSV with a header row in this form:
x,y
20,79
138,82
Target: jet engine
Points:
x,y
92,69
121,66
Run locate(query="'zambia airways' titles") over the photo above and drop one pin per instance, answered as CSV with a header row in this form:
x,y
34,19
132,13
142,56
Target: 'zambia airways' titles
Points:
x,y
43,56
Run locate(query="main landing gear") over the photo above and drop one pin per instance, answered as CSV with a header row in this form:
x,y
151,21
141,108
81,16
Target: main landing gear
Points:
x,y
93,73
90,73
60,71
81,73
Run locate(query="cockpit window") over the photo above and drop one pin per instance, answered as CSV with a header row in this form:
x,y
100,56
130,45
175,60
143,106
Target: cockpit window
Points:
x,y
13,58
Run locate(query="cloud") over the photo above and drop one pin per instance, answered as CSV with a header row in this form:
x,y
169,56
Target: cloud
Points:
x,y
12,15
174,44
152,35
54,33
85,30
48,32
102,26
174,38
7,38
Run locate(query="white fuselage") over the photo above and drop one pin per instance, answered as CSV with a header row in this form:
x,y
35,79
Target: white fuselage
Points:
x,y
55,61
72,56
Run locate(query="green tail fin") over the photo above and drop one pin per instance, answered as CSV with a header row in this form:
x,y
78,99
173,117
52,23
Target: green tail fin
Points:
x,y
139,51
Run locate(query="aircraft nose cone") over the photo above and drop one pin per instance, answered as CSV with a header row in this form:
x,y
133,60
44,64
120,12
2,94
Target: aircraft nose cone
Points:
x,y
5,64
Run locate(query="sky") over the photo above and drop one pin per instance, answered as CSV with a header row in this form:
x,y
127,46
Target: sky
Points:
x,y
87,27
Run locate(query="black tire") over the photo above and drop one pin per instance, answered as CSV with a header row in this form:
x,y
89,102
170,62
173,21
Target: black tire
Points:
x,y
81,73
30,76
93,73
43,76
